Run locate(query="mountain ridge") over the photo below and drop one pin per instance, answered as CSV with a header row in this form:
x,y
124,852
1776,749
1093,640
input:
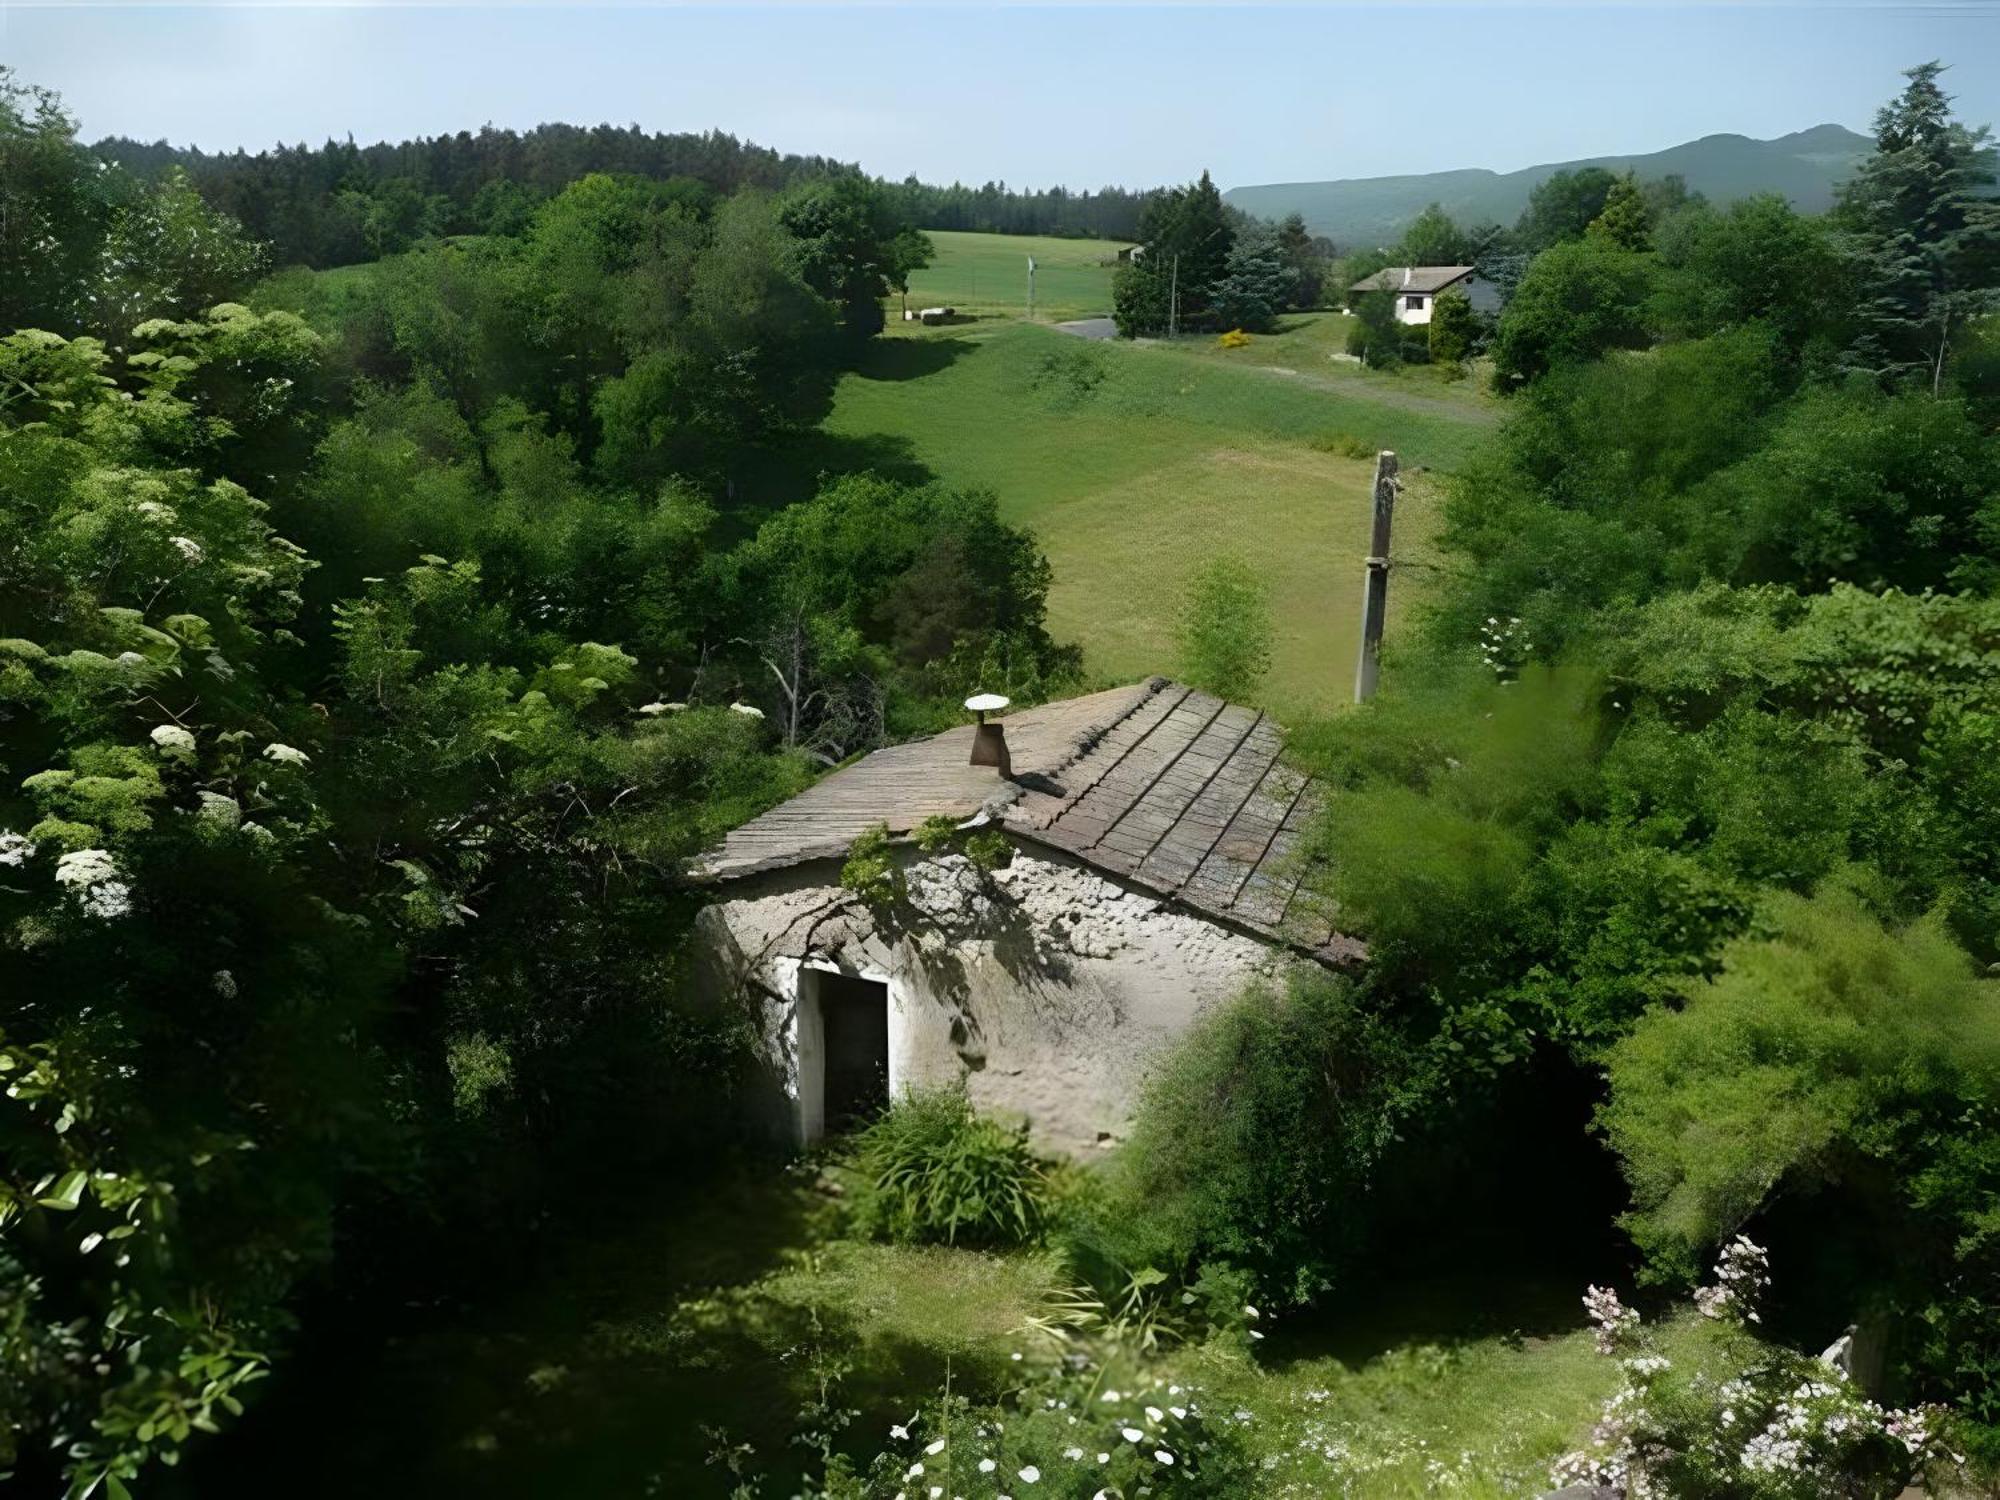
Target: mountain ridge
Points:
x,y
1805,166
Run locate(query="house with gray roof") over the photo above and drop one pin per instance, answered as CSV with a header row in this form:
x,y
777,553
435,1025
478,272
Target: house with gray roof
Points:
x,y
1153,867
1417,288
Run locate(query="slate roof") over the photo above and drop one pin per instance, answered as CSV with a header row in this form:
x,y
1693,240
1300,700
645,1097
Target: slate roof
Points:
x,y
1422,279
1160,785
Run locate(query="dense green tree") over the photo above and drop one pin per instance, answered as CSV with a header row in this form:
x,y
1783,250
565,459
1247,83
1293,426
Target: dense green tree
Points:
x,y
1926,233
1626,220
53,213
1434,239
1186,236
1758,259
1453,329
851,247
1578,300
1254,283
1308,261
1561,207
1224,630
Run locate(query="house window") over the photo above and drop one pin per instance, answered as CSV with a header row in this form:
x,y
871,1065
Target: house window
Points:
x,y
1414,304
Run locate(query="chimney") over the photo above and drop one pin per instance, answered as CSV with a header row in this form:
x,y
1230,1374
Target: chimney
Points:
x,y
989,741
1406,275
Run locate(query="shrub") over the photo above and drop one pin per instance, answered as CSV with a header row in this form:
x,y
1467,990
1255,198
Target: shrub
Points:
x,y
933,1171
1253,1144
1346,444
1071,1430
870,871
1776,1426
1225,628
1236,338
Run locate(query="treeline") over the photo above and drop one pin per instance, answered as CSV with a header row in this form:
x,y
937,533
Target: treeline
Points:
x,y
1201,265
339,203
1680,808
371,658
1110,213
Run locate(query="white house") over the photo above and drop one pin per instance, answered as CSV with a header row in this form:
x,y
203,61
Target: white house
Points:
x,y
1417,288
1155,870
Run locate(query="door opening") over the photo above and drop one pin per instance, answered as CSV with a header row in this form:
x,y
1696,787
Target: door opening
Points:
x,y
854,1021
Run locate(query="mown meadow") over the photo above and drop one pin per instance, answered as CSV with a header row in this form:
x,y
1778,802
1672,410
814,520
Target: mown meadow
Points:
x,y
1132,464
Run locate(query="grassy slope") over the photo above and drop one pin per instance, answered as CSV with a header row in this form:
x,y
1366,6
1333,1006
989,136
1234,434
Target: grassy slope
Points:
x,y
986,275
1172,455
618,1373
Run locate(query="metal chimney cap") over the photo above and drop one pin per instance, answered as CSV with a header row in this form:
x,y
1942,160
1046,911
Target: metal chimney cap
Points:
x,y
987,703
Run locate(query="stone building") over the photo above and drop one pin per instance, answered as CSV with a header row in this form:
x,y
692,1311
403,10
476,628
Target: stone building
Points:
x,y
1154,870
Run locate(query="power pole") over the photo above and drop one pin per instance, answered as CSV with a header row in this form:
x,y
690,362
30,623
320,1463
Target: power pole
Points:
x,y
1375,580
1174,298
1031,289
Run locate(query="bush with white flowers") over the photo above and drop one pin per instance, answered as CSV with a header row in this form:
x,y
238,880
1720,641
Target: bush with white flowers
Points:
x,y
1777,1425
1075,1430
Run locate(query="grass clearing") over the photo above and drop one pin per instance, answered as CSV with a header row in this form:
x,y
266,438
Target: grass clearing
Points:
x,y
652,1345
986,276
1133,462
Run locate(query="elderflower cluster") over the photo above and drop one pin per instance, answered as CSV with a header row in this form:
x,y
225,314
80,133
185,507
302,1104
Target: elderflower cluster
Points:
x,y
1615,1321
93,876
1741,1274
1504,645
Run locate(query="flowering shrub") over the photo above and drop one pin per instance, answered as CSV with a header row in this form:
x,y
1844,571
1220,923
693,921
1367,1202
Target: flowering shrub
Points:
x,y
1074,1431
1780,1427
1236,338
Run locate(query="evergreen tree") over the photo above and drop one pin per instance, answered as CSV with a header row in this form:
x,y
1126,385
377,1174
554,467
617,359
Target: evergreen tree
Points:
x,y
1926,238
1625,221
1253,288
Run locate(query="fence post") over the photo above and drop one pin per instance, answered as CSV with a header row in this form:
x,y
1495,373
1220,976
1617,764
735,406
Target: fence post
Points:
x,y
1375,580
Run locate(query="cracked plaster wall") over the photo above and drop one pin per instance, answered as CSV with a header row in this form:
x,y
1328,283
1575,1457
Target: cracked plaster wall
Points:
x,y
1046,986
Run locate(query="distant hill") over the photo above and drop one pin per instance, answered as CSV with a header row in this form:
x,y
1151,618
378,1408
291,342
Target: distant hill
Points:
x,y
1362,212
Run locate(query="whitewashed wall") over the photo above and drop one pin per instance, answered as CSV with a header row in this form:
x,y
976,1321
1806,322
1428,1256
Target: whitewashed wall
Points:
x,y
1046,987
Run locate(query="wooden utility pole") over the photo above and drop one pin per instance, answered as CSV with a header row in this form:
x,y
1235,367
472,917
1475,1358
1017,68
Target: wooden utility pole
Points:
x,y
1375,580
1174,299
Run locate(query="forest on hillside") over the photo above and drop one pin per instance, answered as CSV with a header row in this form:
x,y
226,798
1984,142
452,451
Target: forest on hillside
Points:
x,y
377,647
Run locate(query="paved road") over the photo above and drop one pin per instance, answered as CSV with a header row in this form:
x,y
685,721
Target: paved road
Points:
x,y
1090,328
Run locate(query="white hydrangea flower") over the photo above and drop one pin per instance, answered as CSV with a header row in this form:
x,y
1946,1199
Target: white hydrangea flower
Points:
x,y
94,876
172,740
214,807
188,547
285,755
750,712
16,849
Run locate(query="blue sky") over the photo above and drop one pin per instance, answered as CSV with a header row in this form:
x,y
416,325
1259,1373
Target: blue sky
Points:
x,y
1084,95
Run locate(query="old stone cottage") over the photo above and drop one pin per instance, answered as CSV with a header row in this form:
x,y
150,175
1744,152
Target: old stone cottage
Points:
x,y
1154,871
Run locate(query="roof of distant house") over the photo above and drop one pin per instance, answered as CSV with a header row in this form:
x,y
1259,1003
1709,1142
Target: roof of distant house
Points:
x,y
1158,784
1412,279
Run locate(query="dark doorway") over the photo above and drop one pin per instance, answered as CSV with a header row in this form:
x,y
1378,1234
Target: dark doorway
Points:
x,y
854,1019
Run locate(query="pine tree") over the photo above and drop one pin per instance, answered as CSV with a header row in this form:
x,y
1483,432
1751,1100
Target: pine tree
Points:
x,y
1926,242
1624,220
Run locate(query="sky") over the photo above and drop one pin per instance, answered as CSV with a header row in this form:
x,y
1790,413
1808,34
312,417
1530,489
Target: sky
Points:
x,y
1083,95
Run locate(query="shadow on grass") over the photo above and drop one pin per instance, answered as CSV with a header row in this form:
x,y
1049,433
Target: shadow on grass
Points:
x,y
911,358
621,1367
769,479
584,1376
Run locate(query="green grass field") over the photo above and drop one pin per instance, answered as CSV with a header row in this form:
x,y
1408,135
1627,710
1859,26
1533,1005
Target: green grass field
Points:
x,y
986,276
655,1348
1132,463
